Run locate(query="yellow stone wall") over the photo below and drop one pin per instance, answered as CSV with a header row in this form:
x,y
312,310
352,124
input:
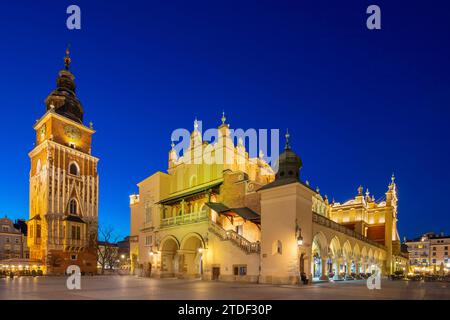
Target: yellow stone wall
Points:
x,y
240,179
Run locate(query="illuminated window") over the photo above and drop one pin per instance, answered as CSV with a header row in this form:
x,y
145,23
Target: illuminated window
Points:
x,y
240,270
240,229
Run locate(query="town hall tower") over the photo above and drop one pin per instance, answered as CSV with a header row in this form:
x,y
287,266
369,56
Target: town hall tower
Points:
x,y
63,183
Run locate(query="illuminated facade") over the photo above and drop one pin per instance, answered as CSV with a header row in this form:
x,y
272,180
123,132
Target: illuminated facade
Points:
x,y
13,241
239,221
62,229
429,253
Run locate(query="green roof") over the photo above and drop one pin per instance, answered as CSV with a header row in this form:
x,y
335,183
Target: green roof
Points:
x,y
181,196
244,212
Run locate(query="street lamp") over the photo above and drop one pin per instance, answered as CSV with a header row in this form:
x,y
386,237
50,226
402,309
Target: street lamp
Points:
x,y
122,257
206,240
298,233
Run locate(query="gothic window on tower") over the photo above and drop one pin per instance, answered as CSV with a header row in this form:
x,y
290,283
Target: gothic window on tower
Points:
x,y
76,233
73,207
38,231
73,169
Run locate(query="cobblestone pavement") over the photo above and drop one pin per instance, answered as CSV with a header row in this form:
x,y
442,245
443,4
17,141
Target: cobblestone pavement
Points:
x,y
129,287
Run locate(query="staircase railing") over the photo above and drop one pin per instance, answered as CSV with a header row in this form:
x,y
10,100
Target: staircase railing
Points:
x,y
235,238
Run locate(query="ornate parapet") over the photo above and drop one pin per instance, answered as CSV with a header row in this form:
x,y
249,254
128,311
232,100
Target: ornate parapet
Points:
x,y
319,219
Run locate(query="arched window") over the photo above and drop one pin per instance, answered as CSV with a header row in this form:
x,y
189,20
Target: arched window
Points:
x,y
73,169
277,247
192,181
73,207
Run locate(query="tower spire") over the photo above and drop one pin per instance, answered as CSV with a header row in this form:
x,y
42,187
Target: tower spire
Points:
x,y
67,59
223,118
195,124
360,190
287,136
63,100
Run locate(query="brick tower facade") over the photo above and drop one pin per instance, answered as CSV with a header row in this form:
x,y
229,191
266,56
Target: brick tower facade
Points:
x,y
63,184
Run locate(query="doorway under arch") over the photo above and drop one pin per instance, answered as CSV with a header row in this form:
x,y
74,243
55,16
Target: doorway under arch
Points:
x,y
169,257
192,249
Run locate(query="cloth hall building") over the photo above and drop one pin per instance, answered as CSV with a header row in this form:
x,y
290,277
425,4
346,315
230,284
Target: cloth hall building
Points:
x,y
240,221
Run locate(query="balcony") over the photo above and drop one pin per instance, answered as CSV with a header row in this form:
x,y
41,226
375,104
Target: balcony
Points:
x,y
188,218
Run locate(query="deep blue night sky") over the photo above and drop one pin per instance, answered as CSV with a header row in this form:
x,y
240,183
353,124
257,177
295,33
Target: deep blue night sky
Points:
x,y
359,104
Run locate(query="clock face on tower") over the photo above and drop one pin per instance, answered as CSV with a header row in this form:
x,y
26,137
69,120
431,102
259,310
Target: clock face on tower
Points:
x,y
72,132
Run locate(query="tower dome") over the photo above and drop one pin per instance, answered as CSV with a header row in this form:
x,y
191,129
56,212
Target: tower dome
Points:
x,y
289,163
63,99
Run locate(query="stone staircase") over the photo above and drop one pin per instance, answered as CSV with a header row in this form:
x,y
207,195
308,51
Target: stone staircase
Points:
x,y
236,239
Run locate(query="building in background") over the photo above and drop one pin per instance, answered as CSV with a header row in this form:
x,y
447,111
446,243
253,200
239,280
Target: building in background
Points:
x,y
13,239
113,255
124,253
439,249
419,251
239,221
107,256
429,253
62,225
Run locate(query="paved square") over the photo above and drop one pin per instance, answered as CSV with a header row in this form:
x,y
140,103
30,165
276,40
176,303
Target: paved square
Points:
x,y
129,287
